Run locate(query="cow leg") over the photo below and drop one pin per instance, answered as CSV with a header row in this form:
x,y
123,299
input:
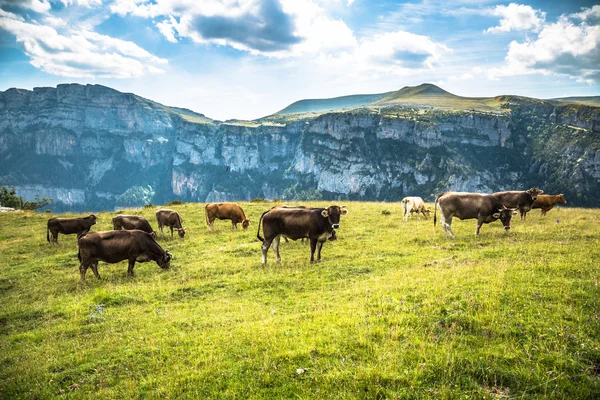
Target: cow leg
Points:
x,y
319,247
447,226
94,266
233,225
313,247
265,248
171,232
131,265
82,269
480,221
522,214
544,211
54,237
275,246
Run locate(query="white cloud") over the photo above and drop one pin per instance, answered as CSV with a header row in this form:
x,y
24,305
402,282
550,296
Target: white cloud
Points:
x,y
82,3
562,48
80,53
275,28
39,6
516,17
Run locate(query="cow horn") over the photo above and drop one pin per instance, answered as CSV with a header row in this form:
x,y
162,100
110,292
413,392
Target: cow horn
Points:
x,y
170,255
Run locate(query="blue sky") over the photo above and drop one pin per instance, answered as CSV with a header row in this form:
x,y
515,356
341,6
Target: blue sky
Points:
x,y
249,58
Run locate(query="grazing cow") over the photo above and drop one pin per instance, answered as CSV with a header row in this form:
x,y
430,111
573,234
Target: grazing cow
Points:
x,y
547,202
316,224
130,222
414,204
523,200
229,211
115,246
171,219
68,226
485,207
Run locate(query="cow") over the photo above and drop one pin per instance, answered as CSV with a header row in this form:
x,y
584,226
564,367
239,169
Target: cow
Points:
x,y
485,207
414,204
547,202
316,224
229,211
171,219
523,200
68,226
130,222
115,246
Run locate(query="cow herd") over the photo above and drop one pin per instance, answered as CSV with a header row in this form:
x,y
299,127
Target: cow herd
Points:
x,y
133,238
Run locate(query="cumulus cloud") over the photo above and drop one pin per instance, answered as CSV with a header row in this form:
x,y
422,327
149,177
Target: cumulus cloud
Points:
x,y
569,47
80,53
83,3
38,6
400,49
277,28
516,17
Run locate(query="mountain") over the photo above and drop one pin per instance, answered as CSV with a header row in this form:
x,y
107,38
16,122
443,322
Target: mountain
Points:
x,y
593,100
91,147
337,103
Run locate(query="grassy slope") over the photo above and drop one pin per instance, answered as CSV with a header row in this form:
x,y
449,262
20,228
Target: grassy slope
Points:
x,y
393,310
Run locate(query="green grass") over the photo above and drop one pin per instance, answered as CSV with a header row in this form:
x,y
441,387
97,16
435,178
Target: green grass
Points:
x,y
394,310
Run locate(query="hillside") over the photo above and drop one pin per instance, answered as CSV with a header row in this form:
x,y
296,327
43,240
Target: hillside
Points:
x,y
337,103
589,100
91,147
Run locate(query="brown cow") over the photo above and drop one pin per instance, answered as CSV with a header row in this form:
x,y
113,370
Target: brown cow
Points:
x,y
317,224
170,218
229,211
115,246
523,200
485,207
130,222
547,202
68,226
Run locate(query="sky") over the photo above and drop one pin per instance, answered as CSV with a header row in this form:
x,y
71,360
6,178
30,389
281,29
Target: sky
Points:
x,y
246,59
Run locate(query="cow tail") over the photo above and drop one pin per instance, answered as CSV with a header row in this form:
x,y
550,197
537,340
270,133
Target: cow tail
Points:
x,y
262,239
48,233
435,210
79,255
206,214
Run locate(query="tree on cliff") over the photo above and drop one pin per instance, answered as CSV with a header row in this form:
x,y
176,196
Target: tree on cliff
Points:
x,y
9,198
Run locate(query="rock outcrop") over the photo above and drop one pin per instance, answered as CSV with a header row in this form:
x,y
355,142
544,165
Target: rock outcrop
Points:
x,y
85,146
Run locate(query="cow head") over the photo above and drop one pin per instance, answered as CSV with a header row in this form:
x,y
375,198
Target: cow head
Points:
x,y
561,199
245,224
92,218
333,214
504,215
165,261
181,232
534,192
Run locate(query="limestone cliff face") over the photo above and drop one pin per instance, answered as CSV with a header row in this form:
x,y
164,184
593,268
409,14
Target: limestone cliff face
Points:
x,y
85,146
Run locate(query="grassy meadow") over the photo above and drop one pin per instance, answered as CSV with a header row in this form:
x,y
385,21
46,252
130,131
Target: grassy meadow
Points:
x,y
393,310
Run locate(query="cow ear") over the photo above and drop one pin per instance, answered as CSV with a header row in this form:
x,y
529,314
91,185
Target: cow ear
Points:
x,y
324,213
344,211
540,191
528,191
514,213
496,215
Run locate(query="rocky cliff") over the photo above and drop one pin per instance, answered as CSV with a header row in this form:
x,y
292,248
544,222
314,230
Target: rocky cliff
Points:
x,y
91,147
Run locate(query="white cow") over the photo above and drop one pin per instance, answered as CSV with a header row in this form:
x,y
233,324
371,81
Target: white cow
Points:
x,y
414,204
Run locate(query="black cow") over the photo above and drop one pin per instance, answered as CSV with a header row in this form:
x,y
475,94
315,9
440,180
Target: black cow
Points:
x,y
68,226
523,200
485,207
316,224
115,246
130,222
170,218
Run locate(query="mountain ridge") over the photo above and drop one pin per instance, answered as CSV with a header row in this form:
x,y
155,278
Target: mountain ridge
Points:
x,y
92,147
